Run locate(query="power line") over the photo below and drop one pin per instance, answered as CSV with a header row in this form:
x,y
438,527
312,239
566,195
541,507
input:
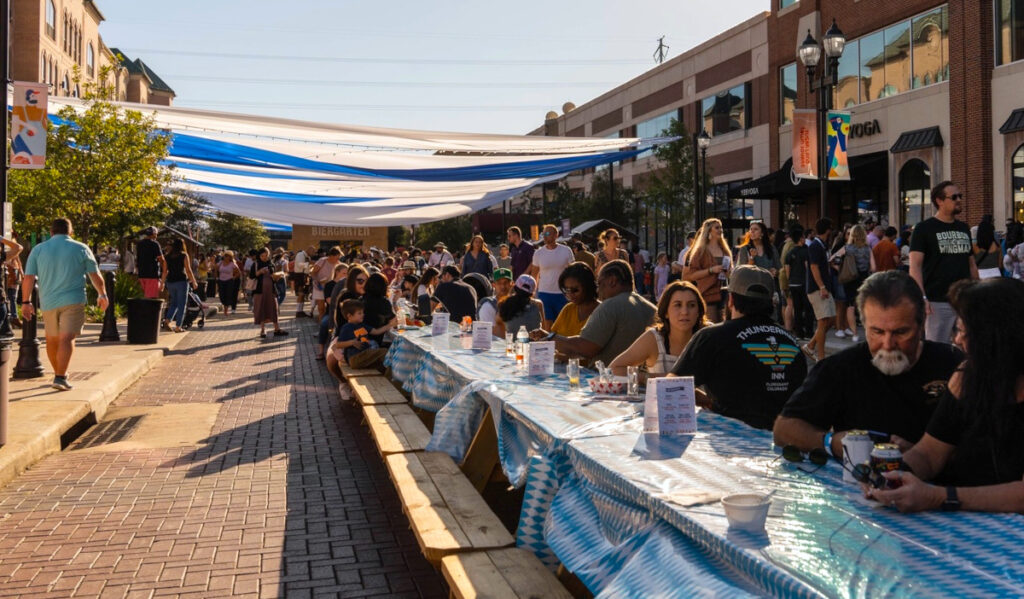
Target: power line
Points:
x,y
398,84
439,61
381,107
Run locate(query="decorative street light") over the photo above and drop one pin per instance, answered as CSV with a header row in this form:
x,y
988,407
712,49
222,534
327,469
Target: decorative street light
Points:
x,y
703,142
833,44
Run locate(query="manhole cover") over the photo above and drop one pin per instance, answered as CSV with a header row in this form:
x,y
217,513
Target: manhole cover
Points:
x,y
109,431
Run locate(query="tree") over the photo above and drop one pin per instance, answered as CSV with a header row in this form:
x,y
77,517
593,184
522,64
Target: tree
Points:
x,y
236,232
189,215
670,187
103,172
454,232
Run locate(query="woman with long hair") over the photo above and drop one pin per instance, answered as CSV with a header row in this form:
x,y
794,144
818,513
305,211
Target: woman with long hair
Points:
x,y
757,251
611,250
378,314
425,291
478,258
706,266
579,284
972,444
520,308
177,279
839,241
681,313
859,248
228,280
264,295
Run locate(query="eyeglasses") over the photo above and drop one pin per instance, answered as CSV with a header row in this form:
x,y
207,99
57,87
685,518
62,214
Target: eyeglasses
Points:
x,y
548,233
956,196
568,290
360,281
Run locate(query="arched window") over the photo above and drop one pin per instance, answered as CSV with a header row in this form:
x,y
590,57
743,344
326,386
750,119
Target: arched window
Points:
x,y
915,192
90,60
1017,184
65,85
51,19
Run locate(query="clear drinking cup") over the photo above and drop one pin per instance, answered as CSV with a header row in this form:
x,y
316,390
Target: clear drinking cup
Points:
x,y
632,380
572,370
510,345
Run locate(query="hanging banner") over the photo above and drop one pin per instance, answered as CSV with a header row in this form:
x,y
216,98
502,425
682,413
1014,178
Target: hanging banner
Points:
x,y
837,131
28,126
805,144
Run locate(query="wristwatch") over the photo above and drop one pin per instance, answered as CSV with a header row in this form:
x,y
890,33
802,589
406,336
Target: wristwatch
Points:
x,y
550,336
952,502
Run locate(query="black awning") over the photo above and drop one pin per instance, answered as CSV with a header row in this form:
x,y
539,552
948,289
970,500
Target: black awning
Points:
x,y
1014,123
773,185
929,137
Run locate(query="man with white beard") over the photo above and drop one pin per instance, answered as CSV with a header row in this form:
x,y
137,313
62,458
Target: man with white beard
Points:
x,y
888,385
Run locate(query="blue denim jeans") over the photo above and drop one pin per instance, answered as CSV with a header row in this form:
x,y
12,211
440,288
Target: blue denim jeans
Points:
x,y
178,292
324,334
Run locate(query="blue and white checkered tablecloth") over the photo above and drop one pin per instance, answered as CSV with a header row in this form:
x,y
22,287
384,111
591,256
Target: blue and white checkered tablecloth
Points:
x,y
822,537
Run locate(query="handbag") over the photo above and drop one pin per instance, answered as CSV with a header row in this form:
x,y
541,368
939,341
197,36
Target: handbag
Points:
x,y
848,272
250,284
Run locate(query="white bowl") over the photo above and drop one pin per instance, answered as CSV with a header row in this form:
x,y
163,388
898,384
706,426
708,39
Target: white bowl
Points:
x,y
747,511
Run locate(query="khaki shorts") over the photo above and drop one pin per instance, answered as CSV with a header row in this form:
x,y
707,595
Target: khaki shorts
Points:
x,y
823,308
66,320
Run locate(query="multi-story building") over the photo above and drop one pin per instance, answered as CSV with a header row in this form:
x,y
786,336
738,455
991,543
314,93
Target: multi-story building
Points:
x,y
58,42
933,87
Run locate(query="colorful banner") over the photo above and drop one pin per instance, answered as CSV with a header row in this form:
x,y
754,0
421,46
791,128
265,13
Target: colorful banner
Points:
x,y
805,144
28,126
837,131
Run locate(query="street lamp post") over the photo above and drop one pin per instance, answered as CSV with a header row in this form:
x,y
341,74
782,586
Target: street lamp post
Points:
x,y
703,142
810,52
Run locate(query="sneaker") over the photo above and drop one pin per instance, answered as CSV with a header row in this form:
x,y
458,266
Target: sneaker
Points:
x,y
61,383
280,332
856,339
809,352
840,334
850,333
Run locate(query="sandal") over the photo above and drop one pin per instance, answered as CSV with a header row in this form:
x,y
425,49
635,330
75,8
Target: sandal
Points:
x,y
320,357
809,352
263,335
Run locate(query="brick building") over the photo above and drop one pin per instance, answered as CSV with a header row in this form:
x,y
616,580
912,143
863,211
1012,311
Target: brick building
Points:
x,y
933,87
51,40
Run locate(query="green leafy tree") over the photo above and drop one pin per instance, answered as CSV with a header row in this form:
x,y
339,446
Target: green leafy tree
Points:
x,y
102,172
235,232
669,188
189,215
454,232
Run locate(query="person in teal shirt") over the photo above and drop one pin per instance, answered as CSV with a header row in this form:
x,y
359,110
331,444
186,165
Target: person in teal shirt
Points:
x,y
61,265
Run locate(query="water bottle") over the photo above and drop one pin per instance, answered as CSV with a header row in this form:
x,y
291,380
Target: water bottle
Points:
x,y
522,338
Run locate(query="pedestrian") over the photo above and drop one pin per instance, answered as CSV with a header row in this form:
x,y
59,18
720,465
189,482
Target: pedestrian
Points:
x,y
940,255
661,272
548,263
61,265
440,257
280,276
14,275
264,310
478,258
611,251
320,274
504,259
520,250
150,263
229,277
819,289
707,266
799,309
300,278
178,277
887,254
864,258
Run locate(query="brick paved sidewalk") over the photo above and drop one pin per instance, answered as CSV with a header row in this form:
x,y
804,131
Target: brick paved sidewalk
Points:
x,y
231,469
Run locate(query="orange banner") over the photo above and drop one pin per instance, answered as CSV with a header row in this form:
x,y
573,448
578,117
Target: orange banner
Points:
x,y
28,126
805,144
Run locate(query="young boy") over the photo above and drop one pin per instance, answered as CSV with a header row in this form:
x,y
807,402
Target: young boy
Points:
x,y
359,350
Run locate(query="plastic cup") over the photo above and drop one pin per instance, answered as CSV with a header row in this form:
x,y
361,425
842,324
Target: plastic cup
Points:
x,y
572,370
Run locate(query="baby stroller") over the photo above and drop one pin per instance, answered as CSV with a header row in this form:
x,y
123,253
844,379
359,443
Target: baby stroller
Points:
x,y
194,308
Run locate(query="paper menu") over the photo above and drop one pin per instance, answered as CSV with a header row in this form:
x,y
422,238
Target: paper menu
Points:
x,y
439,324
540,358
482,335
670,406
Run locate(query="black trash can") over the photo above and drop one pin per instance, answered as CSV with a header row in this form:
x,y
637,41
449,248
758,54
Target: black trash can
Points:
x,y
144,320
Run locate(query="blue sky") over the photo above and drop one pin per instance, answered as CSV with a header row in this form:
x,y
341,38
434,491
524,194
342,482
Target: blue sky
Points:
x,y
441,65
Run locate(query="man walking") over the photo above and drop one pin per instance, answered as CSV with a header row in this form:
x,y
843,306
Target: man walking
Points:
x,y
940,255
300,279
521,252
61,264
819,283
150,262
548,263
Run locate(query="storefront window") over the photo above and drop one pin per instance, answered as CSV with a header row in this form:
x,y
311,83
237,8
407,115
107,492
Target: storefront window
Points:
x,y
930,33
897,58
1018,185
654,128
1009,30
725,111
787,87
915,192
872,66
848,87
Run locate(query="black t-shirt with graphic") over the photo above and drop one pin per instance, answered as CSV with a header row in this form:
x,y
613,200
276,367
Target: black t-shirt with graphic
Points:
x,y
147,256
748,367
988,450
947,255
845,391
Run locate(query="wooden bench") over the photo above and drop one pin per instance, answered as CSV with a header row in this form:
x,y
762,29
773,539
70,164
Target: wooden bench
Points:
x,y
500,574
445,512
375,390
395,428
348,372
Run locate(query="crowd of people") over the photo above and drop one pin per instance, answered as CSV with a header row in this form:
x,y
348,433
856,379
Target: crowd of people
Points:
x,y
936,364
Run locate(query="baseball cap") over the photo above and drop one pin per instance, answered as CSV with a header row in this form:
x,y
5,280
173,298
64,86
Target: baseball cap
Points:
x,y
526,283
502,273
149,231
409,264
751,281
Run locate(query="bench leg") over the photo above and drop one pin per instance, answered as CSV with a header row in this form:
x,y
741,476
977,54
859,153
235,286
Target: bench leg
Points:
x,y
482,457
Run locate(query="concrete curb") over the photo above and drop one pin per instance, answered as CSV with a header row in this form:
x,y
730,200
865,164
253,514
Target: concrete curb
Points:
x,y
40,416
